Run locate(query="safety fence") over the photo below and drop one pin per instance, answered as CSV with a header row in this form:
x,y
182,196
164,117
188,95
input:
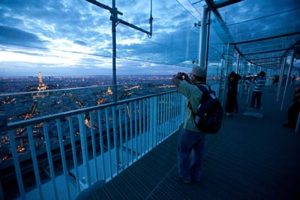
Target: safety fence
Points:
x,y
68,152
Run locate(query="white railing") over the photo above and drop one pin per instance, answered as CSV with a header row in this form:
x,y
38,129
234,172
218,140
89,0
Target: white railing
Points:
x,y
78,148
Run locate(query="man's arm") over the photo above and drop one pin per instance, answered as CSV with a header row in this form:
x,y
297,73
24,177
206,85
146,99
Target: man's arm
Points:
x,y
183,87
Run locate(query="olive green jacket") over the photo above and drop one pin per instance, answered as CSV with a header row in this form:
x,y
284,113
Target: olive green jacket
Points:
x,y
193,95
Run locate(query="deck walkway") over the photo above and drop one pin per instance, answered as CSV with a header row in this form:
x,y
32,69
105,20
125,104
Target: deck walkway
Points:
x,y
250,158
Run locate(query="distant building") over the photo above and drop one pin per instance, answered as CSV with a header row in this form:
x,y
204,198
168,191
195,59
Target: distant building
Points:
x,y
109,91
42,86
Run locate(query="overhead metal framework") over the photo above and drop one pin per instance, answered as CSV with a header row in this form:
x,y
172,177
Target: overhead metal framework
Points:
x,y
267,38
260,48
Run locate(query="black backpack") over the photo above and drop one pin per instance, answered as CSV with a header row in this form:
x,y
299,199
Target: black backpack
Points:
x,y
209,114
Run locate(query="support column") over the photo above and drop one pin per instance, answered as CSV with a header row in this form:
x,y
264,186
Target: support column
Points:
x,y
280,78
237,70
227,62
203,38
288,78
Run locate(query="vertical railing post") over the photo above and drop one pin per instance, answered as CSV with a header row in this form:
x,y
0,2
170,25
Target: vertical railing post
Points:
x,y
100,129
151,122
73,145
121,137
140,127
50,160
108,141
92,123
126,133
84,149
144,125
116,141
34,161
160,117
131,131
165,115
148,125
136,129
63,156
15,158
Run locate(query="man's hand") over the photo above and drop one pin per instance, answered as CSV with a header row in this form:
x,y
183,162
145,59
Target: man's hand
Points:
x,y
175,80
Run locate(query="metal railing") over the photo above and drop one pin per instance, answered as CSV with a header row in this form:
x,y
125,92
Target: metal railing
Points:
x,y
72,150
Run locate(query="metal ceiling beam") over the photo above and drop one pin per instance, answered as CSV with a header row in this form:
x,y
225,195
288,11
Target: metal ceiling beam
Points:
x,y
294,45
266,38
225,3
268,63
262,52
213,8
266,58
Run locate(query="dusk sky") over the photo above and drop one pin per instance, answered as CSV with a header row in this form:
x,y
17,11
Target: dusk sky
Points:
x,y
73,37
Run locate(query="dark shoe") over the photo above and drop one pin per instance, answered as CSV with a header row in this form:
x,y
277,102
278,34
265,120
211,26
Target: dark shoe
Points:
x,y
183,180
229,114
287,126
197,180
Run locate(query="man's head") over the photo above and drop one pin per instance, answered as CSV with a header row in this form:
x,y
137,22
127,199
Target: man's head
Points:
x,y
198,74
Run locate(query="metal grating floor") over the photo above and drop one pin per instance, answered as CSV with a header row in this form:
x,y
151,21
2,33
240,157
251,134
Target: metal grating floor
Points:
x,y
251,158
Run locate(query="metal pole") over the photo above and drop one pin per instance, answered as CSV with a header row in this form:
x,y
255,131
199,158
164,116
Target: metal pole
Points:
x,y
238,64
280,78
203,38
207,39
226,75
287,78
114,19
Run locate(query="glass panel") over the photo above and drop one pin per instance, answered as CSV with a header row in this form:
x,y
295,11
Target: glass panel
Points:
x,y
174,42
266,19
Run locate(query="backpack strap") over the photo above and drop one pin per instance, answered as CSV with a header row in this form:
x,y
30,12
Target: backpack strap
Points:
x,y
203,88
206,90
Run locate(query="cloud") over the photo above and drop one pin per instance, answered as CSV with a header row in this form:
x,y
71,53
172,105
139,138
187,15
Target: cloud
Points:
x,y
74,34
10,35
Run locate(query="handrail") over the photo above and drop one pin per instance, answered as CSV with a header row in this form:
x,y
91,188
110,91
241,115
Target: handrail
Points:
x,y
55,90
114,137
58,90
24,123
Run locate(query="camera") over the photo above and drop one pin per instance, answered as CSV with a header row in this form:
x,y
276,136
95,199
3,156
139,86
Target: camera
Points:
x,y
182,76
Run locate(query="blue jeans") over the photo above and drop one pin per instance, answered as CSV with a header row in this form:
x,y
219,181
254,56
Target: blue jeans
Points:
x,y
189,167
